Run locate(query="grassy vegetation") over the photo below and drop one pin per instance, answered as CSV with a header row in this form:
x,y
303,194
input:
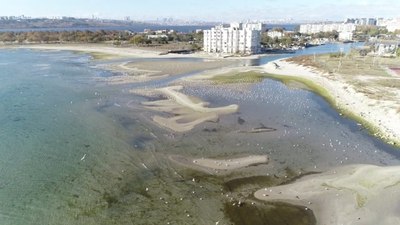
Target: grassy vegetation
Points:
x,y
368,75
375,77
238,77
351,64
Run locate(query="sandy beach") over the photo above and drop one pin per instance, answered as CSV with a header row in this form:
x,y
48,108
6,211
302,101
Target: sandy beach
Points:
x,y
357,194
111,51
383,114
214,165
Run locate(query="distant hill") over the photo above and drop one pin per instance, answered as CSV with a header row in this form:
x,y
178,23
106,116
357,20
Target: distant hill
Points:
x,y
68,22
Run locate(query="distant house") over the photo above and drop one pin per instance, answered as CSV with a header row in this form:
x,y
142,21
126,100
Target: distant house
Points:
x,y
275,34
156,36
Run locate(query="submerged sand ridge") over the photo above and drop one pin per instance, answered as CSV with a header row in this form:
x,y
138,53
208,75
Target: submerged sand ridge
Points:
x,y
187,111
356,194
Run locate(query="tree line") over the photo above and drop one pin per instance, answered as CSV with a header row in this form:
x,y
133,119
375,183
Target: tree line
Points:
x,y
116,37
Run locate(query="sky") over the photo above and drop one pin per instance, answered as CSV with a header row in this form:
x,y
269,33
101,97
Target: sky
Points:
x,y
205,10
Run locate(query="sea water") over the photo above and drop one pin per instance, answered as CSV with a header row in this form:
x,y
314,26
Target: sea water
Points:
x,y
53,140
75,150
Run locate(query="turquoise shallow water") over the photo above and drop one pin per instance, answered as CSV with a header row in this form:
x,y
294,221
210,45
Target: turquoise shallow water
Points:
x,y
49,123
74,150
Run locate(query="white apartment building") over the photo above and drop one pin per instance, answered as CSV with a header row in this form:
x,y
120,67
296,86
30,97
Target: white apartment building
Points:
x,y
329,27
237,39
391,24
275,34
345,36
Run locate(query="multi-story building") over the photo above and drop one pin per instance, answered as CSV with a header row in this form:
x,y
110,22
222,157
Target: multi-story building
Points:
x,y
237,39
362,21
391,24
327,27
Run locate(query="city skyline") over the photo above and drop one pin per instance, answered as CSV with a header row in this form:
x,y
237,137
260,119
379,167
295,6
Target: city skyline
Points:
x,y
206,10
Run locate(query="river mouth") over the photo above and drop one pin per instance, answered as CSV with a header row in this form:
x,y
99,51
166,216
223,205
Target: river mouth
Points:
x,y
81,152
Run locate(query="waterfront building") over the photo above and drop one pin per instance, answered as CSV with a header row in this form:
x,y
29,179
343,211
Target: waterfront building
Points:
x,y
393,25
327,27
238,38
346,36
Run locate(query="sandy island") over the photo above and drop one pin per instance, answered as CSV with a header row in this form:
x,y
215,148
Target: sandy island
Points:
x,y
213,165
381,114
357,194
187,111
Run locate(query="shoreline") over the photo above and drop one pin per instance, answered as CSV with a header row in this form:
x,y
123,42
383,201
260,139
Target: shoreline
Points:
x,y
112,51
375,116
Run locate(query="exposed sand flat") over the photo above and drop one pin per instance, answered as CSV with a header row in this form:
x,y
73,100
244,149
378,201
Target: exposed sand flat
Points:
x,y
207,164
357,194
187,111
227,164
186,101
179,66
384,114
143,71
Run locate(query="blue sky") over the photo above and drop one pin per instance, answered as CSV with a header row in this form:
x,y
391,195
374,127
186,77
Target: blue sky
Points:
x,y
208,10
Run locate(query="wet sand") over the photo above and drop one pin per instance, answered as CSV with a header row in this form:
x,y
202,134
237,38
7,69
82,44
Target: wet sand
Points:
x,y
150,70
187,111
355,194
208,164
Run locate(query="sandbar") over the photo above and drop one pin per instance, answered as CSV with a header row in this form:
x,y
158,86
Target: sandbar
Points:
x,y
209,165
355,194
186,111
